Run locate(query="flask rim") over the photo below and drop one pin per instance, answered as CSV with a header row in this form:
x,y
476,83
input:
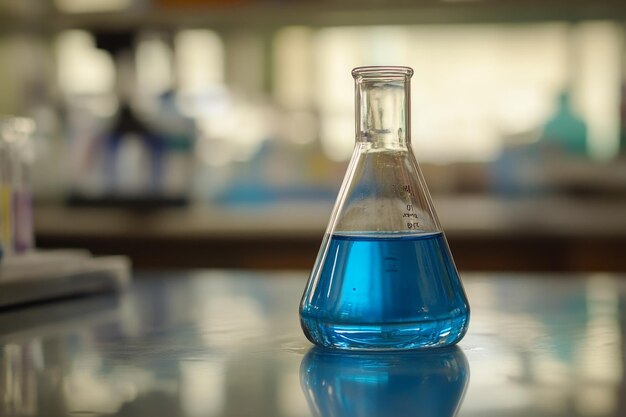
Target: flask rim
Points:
x,y
382,71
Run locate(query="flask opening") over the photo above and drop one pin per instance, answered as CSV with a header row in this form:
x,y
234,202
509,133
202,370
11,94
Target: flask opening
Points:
x,y
382,72
382,97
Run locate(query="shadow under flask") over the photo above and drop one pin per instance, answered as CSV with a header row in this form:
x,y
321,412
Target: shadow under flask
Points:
x,y
384,278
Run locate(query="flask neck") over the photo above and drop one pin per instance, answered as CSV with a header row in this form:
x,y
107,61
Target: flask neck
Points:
x,y
382,98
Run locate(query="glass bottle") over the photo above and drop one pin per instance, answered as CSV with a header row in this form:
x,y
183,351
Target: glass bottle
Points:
x,y
384,278
23,156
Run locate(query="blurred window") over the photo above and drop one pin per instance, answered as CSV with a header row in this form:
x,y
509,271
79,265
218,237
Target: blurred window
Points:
x,y
474,85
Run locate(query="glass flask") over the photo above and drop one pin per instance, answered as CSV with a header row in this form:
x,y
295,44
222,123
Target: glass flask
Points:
x,y
384,278
384,384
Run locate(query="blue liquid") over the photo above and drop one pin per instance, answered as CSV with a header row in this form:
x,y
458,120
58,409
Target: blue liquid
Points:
x,y
384,384
385,291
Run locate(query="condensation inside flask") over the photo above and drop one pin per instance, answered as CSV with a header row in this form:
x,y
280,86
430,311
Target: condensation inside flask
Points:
x,y
384,277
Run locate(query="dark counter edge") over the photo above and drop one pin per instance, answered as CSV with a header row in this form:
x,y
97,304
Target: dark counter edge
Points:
x,y
471,253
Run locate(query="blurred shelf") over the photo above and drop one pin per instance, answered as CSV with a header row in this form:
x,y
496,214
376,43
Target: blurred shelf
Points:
x,y
484,233
352,13
462,216
326,13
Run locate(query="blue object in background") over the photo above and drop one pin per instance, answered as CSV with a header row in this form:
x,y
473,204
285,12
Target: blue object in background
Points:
x,y
384,384
565,130
386,291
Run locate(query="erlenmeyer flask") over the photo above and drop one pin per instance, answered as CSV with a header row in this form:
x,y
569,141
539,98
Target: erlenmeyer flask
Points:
x,y
384,277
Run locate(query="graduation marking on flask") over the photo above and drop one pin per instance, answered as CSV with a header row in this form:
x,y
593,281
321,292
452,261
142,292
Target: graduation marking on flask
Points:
x,y
404,190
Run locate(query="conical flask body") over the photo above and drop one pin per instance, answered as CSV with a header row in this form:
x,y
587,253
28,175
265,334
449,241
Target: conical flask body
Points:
x,y
384,278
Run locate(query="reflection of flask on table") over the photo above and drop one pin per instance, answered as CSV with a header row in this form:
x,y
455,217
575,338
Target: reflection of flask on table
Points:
x,y
425,383
384,277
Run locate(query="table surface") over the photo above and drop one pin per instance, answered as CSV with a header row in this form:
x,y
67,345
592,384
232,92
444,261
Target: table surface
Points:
x,y
214,343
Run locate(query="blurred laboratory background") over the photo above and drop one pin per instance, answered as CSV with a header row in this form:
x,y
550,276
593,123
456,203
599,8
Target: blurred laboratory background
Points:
x,y
215,133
